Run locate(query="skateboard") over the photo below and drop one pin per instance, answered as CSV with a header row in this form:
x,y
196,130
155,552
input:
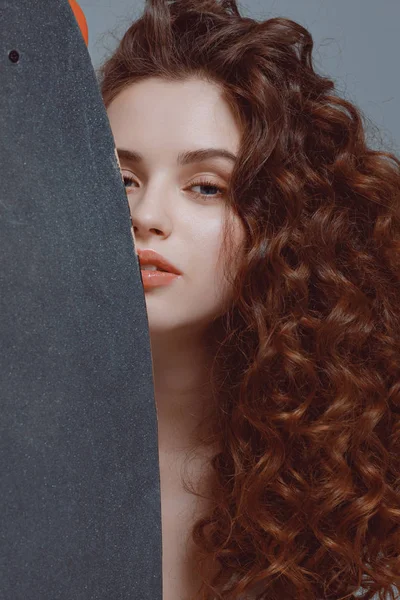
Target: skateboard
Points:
x,y
80,515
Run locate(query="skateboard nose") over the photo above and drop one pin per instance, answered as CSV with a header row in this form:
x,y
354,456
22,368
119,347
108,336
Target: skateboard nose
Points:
x,y
80,17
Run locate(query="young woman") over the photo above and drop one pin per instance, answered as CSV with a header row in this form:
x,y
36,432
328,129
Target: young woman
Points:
x,y
276,340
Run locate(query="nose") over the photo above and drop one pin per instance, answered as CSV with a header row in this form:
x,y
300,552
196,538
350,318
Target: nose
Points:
x,y
149,215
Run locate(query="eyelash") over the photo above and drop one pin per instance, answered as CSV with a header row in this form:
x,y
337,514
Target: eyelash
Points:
x,y
203,183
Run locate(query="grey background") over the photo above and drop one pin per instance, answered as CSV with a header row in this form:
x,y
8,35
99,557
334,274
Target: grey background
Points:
x,y
356,43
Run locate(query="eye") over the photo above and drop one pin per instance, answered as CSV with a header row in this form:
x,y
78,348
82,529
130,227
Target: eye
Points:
x,y
128,180
215,190
209,189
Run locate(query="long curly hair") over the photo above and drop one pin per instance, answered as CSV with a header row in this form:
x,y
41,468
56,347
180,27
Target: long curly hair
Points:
x,y
306,375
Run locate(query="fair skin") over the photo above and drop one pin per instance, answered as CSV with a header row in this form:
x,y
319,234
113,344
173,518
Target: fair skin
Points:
x,y
178,210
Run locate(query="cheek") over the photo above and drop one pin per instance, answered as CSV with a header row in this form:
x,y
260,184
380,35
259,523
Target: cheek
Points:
x,y
204,236
225,268
206,287
208,265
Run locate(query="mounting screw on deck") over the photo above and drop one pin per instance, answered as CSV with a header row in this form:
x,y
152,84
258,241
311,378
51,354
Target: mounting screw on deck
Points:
x,y
13,56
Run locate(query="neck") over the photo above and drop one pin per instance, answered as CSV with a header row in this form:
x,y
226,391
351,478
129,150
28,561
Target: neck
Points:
x,y
181,370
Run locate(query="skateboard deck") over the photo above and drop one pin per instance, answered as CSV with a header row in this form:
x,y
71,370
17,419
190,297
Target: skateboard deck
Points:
x,y
80,510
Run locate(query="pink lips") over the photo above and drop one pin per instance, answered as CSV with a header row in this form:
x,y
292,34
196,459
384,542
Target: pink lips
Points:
x,y
151,257
165,273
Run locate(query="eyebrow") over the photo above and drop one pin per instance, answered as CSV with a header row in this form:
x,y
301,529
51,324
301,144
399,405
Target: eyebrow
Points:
x,y
184,158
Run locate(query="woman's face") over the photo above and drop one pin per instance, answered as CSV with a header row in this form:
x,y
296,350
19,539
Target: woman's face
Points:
x,y
178,208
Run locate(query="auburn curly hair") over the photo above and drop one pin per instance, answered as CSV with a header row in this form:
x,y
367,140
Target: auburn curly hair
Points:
x,y
306,376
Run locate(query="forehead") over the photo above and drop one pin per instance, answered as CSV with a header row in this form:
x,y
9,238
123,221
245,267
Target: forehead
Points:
x,y
174,115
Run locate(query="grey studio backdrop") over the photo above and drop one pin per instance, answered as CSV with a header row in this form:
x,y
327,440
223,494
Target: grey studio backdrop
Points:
x,y
356,43
80,518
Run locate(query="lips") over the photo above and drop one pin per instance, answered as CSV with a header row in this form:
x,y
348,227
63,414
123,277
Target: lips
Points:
x,y
151,257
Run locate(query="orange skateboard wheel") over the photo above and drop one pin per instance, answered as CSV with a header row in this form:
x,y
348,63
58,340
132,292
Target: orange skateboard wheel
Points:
x,y
80,17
